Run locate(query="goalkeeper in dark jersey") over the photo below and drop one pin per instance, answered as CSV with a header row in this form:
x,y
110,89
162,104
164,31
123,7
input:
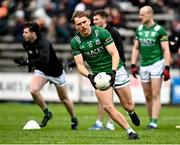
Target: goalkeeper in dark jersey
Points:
x,y
47,68
152,45
96,46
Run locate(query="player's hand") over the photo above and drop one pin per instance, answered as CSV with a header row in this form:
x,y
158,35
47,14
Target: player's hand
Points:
x,y
134,70
20,61
91,78
166,73
113,76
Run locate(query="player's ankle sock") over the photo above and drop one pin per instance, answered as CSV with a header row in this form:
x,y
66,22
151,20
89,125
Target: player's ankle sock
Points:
x,y
46,111
150,120
98,122
153,122
129,130
110,122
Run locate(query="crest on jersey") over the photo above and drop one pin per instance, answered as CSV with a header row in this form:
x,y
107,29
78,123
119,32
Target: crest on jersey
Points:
x,y
90,44
98,42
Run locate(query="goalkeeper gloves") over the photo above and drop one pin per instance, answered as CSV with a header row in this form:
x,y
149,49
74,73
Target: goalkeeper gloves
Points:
x,y
134,70
113,76
166,73
91,78
21,61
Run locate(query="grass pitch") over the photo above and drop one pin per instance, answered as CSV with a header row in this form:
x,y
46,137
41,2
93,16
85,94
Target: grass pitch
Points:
x,y
13,117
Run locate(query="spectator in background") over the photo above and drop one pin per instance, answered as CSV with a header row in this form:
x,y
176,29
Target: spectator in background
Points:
x,y
48,9
41,14
101,4
18,25
116,17
173,6
51,32
152,44
100,19
139,3
84,5
4,14
4,8
159,6
91,5
175,26
42,25
43,59
69,7
63,30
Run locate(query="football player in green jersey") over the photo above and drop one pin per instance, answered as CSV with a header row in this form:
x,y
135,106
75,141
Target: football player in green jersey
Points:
x,y
95,46
100,17
152,45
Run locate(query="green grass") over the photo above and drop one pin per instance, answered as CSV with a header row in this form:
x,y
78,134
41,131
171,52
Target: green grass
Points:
x,y
13,117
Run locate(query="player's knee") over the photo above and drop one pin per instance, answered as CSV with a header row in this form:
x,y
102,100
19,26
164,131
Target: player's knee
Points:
x,y
63,98
34,90
148,95
129,106
156,95
149,98
108,107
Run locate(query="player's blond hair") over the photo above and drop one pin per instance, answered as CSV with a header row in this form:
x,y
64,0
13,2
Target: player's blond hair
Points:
x,y
79,14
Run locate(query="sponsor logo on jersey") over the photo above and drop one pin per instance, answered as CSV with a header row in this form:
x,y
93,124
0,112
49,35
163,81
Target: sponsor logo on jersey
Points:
x,y
147,42
94,53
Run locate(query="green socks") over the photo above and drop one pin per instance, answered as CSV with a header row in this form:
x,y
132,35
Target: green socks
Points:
x,y
46,111
153,122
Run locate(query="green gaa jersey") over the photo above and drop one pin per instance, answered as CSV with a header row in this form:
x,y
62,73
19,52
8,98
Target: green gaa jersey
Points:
x,y
150,47
93,49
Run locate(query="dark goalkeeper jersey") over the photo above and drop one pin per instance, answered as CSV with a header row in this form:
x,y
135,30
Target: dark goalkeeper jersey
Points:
x,y
41,55
118,41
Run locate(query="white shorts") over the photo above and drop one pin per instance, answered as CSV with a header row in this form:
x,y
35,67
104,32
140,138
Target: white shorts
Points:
x,y
152,71
61,80
122,78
